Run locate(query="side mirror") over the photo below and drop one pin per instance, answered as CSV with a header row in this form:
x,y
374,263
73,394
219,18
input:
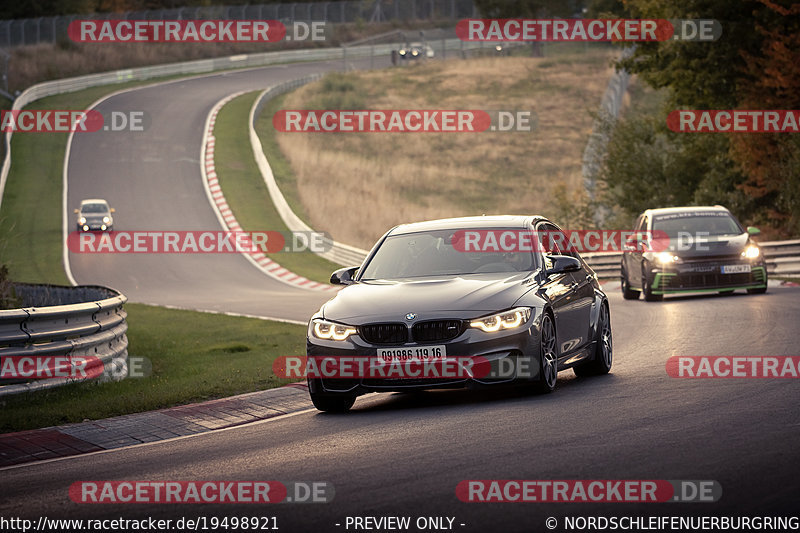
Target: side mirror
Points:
x,y
563,264
76,211
113,210
753,231
344,276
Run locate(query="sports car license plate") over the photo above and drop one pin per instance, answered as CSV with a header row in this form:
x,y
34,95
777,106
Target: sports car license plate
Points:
x,y
735,269
415,353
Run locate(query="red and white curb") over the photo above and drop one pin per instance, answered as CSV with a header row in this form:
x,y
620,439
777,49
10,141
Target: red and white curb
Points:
x,y
225,215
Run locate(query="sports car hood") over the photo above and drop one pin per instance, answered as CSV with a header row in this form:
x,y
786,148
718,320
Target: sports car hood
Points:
x,y
707,245
429,297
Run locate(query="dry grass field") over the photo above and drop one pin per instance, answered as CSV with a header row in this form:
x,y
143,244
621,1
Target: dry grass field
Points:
x,y
357,185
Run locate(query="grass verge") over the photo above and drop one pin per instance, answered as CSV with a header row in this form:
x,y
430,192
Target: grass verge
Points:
x,y
30,215
194,356
245,191
394,178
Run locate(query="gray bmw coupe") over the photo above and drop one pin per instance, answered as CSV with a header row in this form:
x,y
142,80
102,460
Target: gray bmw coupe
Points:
x,y
479,290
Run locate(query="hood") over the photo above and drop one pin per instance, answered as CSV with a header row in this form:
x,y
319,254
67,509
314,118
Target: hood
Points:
x,y
707,245
430,297
94,217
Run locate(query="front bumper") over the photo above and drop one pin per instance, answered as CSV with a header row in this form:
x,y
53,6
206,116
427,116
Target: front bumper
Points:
x,y
503,350
702,276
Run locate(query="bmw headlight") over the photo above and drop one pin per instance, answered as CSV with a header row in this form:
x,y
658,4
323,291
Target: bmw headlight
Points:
x,y
82,220
322,329
106,220
751,252
402,52
510,319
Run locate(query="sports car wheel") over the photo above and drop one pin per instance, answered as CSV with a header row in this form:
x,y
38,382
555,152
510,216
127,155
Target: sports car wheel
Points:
x,y
625,285
548,360
604,349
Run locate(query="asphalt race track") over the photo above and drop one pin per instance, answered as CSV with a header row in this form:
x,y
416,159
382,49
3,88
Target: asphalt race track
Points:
x,y
152,178
403,455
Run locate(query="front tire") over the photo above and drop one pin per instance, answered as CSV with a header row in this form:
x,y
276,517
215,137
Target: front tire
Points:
x,y
604,349
548,359
760,290
625,285
647,290
333,403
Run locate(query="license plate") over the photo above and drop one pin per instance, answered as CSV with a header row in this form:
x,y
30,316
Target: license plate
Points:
x,y
735,269
414,353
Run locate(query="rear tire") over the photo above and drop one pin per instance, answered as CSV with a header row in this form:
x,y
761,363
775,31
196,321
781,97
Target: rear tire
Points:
x,y
333,403
604,349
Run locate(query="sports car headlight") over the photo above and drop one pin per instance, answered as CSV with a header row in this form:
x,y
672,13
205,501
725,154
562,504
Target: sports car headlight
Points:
x,y
82,220
510,319
751,252
322,329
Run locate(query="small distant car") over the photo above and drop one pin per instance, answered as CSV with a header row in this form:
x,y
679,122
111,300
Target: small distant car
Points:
x,y
94,214
416,51
691,249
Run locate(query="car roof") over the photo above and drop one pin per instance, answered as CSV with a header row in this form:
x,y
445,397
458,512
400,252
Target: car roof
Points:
x,y
93,201
687,209
492,221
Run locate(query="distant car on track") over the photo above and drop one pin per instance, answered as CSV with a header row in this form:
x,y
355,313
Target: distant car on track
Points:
x,y
702,249
94,214
418,293
416,51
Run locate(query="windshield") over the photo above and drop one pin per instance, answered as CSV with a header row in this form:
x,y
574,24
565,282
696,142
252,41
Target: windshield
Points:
x,y
94,208
433,254
697,222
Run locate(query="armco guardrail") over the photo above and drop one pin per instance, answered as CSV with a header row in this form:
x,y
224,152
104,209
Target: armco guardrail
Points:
x,y
783,259
65,331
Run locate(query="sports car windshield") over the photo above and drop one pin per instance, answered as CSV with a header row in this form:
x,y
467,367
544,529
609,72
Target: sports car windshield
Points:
x,y
433,254
697,223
